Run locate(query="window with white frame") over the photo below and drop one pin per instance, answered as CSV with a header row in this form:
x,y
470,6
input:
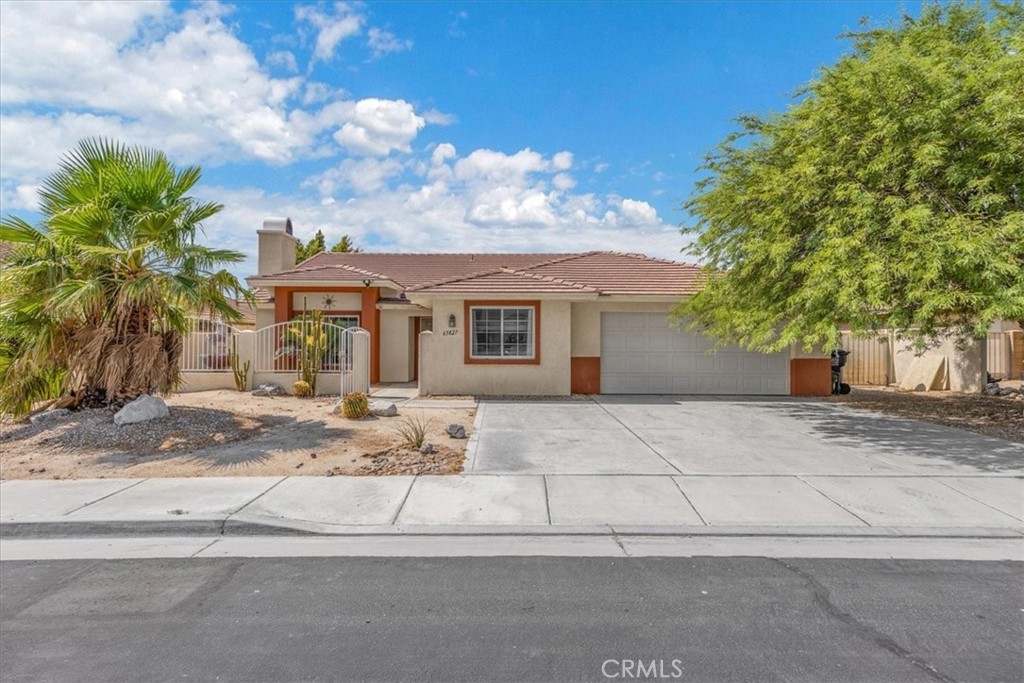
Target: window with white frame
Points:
x,y
498,332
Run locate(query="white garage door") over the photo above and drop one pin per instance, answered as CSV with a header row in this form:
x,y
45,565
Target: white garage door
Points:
x,y
642,354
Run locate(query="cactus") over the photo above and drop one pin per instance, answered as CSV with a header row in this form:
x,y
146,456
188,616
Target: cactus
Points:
x,y
302,389
355,405
312,346
240,372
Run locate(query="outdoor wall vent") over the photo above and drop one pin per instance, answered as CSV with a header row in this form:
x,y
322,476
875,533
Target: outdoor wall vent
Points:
x,y
278,224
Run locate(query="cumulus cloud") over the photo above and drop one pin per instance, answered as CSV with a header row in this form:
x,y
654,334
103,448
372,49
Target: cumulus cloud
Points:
x,y
383,42
378,127
180,81
636,212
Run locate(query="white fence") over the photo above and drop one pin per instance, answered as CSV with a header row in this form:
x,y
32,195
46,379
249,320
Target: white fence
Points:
x,y
207,346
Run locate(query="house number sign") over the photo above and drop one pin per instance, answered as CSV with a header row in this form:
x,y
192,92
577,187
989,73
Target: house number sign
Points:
x,y
450,333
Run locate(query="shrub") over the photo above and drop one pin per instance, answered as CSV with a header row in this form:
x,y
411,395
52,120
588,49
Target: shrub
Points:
x,y
413,431
302,389
355,405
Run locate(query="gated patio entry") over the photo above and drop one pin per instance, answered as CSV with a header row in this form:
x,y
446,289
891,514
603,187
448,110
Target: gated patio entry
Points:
x,y
341,353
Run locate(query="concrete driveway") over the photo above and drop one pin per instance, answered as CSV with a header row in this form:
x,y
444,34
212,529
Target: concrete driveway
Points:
x,y
649,435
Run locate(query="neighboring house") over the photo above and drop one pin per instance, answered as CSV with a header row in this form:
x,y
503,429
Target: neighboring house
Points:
x,y
521,324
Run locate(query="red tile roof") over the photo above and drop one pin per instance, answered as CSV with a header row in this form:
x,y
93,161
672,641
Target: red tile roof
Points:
x,y
597,272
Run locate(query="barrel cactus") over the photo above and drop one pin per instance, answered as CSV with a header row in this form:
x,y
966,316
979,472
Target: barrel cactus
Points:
x,y
302,389
355,405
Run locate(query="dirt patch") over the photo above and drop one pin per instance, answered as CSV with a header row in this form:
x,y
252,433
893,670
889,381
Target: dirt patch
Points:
x,y
996,416
408,461
226,433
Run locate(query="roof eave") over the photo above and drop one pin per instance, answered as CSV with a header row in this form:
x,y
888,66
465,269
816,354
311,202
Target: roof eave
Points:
x,y
271,281
423,295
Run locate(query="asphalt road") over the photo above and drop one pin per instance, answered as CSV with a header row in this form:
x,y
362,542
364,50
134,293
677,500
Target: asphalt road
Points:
x,y
511,619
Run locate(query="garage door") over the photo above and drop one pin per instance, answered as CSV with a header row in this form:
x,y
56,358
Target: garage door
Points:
x,y
642,354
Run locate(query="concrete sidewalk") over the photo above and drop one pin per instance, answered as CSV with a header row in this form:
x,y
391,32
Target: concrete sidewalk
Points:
x,y
842,506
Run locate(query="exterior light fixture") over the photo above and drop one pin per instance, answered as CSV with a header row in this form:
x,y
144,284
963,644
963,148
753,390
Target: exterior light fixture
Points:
x,y
367,282
451,320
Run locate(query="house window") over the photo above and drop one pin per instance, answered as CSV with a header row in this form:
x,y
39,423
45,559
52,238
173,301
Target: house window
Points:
x,y
345,321
502,333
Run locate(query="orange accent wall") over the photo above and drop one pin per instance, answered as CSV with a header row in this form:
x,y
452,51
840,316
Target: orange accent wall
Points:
x,y
369,315
370,320
585,375
810,377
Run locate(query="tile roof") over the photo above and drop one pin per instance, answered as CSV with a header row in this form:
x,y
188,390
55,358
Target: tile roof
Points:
x,y
503,281
600,272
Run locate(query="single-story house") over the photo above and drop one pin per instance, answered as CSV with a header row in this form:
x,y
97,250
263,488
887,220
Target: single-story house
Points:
x,y
521,324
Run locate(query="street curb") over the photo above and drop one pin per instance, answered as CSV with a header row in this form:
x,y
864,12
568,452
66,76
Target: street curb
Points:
x,y
255,526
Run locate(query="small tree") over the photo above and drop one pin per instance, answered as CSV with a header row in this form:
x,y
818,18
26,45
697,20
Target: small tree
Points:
x,y
345,245
890,195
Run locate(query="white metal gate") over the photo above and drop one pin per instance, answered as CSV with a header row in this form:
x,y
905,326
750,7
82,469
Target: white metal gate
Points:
x,y
344,354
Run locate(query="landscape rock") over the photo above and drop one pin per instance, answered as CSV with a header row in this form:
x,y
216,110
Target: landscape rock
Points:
x,y
49,416
992,391
142,409
456,431
427,448
1007,391
269,390
383,409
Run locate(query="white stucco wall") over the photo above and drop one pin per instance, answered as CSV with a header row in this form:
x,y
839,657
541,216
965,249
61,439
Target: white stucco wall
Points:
x,y
314,301
264,317
965,366
443,370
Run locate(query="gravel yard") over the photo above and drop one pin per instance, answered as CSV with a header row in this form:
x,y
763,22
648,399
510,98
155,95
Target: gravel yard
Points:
x,y
225,433
997,416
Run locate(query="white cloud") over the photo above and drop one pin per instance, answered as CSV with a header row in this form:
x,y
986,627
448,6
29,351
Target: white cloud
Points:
x,y
362,176
562,161
284,59
563,181
383,42
332,26
442,153
183,82
378,127
636,212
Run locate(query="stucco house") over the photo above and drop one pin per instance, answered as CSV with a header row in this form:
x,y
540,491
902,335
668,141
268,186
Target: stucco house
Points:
x,y
521,324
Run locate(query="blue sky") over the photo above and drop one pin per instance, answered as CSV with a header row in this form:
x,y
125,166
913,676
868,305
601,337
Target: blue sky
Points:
x,y
421,126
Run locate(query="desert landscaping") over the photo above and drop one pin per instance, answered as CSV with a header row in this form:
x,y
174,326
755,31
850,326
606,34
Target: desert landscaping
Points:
x,y
225,433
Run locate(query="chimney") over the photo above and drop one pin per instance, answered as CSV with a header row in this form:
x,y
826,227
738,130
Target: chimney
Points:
x,y
276,246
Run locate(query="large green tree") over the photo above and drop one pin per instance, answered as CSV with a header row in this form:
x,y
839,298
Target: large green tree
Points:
x,y
345,245
96,298
890,194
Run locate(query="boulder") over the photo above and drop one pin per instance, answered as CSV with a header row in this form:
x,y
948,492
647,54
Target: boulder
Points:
x,y
142,409
1007,391
427,448
456,431
993,391
383,409
269,389
49,416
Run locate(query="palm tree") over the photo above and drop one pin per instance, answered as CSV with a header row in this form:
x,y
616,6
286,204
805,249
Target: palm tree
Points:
x,y
95,300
